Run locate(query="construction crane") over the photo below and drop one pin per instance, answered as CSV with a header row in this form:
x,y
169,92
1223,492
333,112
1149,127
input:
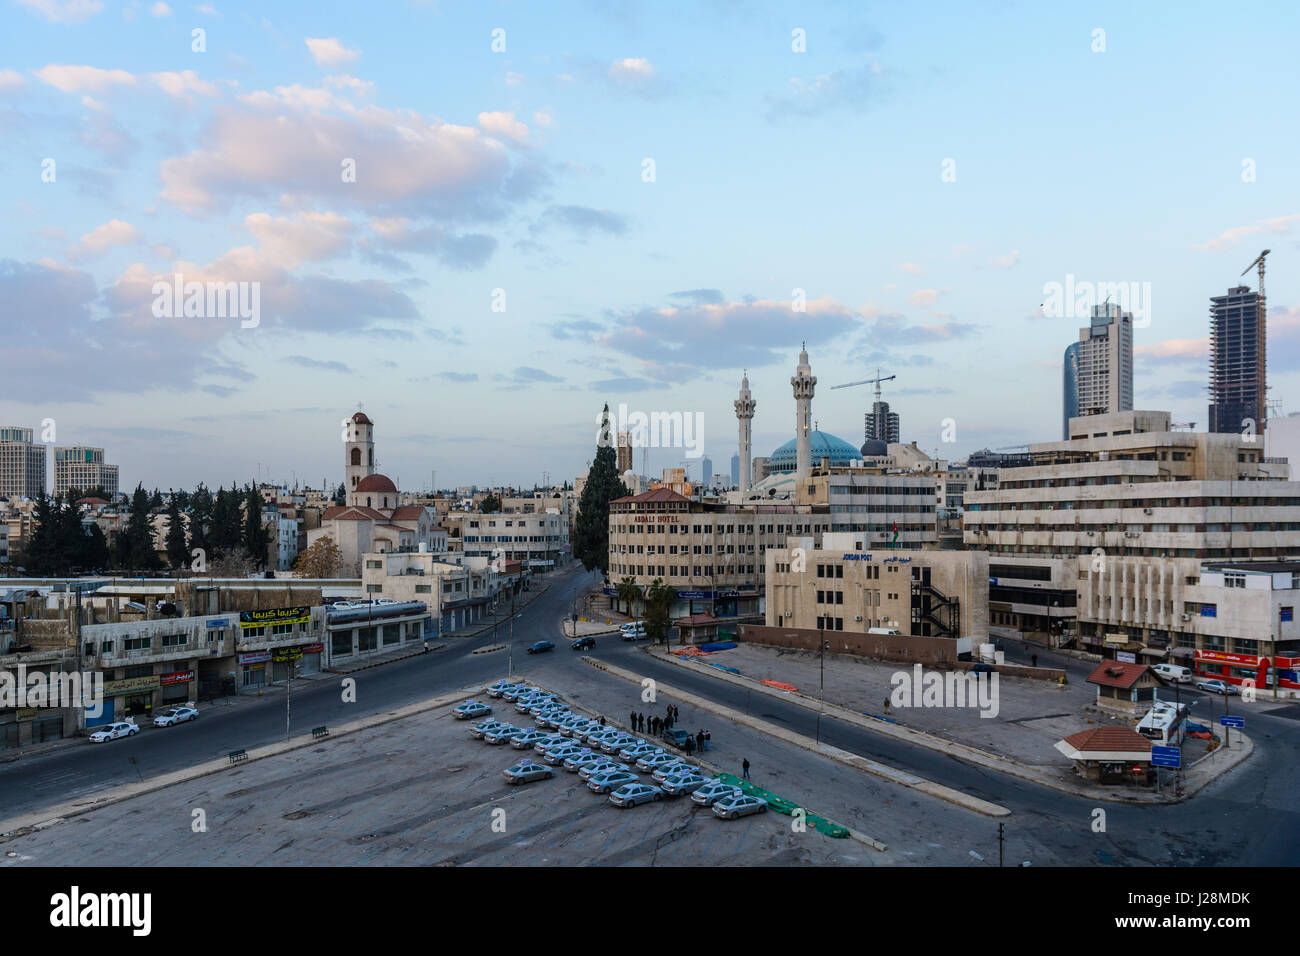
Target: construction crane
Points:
x,y
1011,448
867,381
1259,261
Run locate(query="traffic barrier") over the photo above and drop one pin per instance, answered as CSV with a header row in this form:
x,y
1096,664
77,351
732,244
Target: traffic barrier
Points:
x,y
779,685
319,732
237,756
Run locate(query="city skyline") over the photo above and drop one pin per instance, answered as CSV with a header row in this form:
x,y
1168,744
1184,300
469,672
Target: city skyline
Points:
x,y
826,171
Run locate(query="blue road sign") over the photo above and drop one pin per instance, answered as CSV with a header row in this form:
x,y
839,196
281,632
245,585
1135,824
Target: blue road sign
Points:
x,y
1166,757
1232,720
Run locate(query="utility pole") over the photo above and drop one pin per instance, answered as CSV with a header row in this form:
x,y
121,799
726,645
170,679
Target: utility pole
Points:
x,y
1000,843
288,695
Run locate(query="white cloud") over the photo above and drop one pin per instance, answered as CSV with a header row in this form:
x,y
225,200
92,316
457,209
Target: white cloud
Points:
x,y
101,239
631,69
544,117
160,9
503,124
1007,261
925,297
182,84
82,79
329,52
11,80
64,11
287,242
1278,225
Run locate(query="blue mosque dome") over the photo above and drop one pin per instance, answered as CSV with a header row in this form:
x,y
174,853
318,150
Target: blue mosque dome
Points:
x,y
822,446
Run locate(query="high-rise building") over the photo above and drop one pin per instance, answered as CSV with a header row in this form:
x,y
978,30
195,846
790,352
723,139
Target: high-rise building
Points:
x,y
735,470
81,468
706,471
881,424
1237,367
22,464
1098,372
624,452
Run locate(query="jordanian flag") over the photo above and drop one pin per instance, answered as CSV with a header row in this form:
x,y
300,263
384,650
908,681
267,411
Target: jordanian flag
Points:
x,y
894,539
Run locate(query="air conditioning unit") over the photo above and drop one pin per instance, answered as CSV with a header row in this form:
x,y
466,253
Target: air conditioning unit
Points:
x,y
858,617
1146,511
1187,617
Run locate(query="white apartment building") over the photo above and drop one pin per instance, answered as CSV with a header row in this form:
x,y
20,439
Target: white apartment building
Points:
x,y
81,468
455,594
22,463
1123,485
539,541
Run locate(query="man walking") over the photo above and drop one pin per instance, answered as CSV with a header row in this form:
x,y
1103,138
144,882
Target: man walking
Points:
x,y
745,768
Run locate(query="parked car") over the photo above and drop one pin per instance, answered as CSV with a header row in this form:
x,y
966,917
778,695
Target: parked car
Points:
x,y
541,646
680,784
673,769
579,760
526,772
499,735
500,687
631,794
471,709
653,762
617,742
582,644
605,766
676,737
123,728
712,791
633,632
175,715
1217,687
525,739
738,805
560,754
1174,672
641,749
611,780
482,729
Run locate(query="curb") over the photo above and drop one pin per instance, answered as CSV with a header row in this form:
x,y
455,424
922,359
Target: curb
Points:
x,y
489,650
37,820
973,755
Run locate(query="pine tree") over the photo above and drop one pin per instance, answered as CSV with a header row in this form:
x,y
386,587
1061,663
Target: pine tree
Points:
x,y
177,553
255,537
591,534
39,554
96,549
139,533
201,523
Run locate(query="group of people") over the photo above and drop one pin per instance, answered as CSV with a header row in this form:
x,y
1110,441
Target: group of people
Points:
x,y
641,723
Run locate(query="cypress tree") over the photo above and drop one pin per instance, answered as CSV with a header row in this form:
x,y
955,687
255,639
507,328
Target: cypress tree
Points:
x,y
591,533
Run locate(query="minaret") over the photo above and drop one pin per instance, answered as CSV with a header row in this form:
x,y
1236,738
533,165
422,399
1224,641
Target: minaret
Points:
x,y
804,382
745,406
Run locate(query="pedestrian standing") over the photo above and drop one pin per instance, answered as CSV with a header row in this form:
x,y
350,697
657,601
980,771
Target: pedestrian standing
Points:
x,y
708,740
631,719
745,768
690,746
699,740
1033,660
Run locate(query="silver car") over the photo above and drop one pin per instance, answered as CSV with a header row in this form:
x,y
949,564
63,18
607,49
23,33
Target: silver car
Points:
x,y
526,739
481,730
738,805
471,709
501,734
561,754
631,794
616,743
712,791
604,766
500,687
579,760
635,753
680,784
526,772
673,770
655,761
610,780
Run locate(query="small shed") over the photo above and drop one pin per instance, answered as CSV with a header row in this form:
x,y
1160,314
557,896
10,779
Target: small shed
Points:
x,y
1125,689
697,628
1110,755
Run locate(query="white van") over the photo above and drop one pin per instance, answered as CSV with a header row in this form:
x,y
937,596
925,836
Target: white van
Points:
x,y
1174,672
884,630
633,631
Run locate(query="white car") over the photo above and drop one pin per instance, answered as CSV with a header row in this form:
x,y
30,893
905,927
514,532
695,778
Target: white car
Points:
x,y
122,728
175,715
471,709
738,805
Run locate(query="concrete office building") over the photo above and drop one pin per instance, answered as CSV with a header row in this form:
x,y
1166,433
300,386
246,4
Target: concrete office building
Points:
x,y
80,468
1282,440
1124,485
1098,369
539,541
850,585
880,424
1238,370
1231,620
22,463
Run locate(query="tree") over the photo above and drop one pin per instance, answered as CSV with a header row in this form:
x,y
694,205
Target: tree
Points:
x,y
227,523
591,531
139,533
177,552
255,537
627,592
490,504
201,525
659,600
96,553
155,500
40,555
341,495
321,560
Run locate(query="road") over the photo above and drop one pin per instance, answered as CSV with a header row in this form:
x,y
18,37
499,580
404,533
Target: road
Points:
x,y
1248,818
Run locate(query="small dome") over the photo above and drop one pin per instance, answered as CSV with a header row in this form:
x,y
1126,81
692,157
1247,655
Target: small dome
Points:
x,y
361,419
874,448
373,483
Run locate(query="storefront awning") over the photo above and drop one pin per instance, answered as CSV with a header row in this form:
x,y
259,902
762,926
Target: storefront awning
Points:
x,y
1182,652
1154,652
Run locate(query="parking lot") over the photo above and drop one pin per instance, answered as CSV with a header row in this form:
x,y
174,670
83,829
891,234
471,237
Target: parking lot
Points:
x,y
419,792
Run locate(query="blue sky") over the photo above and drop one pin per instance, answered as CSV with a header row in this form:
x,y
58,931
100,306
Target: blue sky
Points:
x,y
523,171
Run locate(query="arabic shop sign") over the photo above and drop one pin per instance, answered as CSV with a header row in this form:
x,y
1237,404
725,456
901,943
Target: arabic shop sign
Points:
x,y
273,616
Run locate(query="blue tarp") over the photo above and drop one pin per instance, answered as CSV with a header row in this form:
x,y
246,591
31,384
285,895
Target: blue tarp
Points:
x,y
717,647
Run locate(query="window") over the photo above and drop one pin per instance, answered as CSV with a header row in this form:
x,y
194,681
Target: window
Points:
x,y
138,644
175,640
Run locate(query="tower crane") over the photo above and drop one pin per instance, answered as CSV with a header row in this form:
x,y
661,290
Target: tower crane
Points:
x,y
1259,261
867,381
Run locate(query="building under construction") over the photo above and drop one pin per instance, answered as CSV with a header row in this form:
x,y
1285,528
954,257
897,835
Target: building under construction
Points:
x,y
1237,362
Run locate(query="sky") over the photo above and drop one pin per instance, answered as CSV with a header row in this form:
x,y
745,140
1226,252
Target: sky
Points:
x,y
479,222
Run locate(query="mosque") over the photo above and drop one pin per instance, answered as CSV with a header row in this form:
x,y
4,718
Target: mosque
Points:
x,y
795,458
